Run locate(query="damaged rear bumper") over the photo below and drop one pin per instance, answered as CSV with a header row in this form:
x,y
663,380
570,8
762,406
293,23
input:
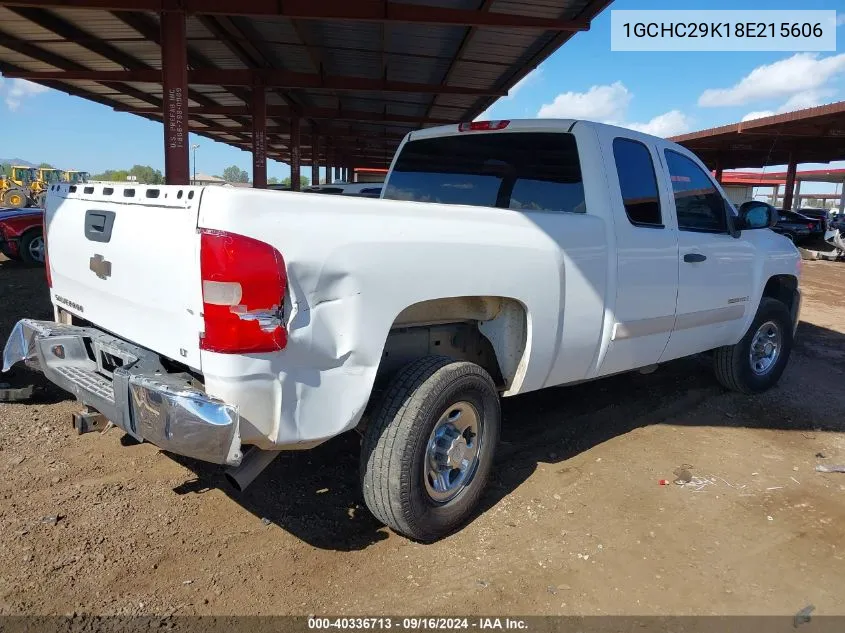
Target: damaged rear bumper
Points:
x,y
128,385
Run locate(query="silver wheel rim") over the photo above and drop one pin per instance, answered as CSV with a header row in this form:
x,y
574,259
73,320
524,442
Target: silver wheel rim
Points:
x,y
453,452
36,249
765,348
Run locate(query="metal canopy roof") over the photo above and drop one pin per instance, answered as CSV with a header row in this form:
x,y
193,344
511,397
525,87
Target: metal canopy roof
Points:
x,y
814,135
361,73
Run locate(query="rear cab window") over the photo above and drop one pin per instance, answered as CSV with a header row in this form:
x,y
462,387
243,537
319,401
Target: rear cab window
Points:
x,y
524,171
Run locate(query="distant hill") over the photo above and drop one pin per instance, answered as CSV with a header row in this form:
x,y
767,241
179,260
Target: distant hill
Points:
x,y
18,161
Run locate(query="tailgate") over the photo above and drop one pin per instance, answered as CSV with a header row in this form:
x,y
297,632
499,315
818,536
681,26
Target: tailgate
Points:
x,y
126,259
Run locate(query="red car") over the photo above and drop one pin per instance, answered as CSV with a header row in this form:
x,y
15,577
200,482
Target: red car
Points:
x,y
22,235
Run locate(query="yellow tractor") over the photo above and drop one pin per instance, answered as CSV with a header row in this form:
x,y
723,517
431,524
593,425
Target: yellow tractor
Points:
x,y
16,188
46,177
76,177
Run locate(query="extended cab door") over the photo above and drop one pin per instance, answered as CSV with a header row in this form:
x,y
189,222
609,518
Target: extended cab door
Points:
x,y
715,269
643,312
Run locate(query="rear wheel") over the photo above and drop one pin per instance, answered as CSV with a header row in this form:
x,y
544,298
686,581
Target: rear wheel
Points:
x,y
32,248
758,360
428,450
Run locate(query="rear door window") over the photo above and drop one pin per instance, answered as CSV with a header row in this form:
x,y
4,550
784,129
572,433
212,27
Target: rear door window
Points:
x,y
522,171
637,182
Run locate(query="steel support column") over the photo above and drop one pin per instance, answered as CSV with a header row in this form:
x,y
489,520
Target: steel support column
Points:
x,y
259,137
790,182
337,175
775,195
719,169
295,155
174,74
329,159
315,157
842,202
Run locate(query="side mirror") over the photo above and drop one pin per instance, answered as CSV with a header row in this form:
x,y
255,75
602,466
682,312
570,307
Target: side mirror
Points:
x,y
756,214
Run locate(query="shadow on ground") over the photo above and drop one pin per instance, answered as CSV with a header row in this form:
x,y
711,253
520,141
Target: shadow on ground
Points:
x,y
24,294
315,494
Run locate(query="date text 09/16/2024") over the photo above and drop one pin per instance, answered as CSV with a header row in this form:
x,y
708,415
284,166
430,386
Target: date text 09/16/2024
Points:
x,y
416,623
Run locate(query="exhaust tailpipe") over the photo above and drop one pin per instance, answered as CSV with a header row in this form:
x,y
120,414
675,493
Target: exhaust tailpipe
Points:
x,y
252,465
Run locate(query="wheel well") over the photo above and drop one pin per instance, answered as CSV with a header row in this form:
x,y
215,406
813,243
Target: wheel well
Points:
x,y
782,288
486,330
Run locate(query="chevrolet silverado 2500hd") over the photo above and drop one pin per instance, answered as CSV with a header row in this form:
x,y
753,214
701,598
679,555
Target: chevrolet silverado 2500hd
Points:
x,y
503,257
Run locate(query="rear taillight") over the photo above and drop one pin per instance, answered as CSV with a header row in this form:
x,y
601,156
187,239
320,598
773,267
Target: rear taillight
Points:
x,y
46,252
243,290
811,226
479,126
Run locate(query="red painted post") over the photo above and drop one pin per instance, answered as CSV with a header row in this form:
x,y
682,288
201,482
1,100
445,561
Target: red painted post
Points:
x,y
174,75
259,137
295,155
315,157
790,181
719,169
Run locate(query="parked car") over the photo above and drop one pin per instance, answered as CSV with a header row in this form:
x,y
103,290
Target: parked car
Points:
x,y
503,258
820,216
21,235
798,228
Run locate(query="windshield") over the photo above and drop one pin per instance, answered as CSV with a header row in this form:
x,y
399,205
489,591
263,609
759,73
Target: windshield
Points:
x,y
536,171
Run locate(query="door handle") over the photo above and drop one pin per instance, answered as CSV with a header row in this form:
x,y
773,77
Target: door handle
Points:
x,y
694,258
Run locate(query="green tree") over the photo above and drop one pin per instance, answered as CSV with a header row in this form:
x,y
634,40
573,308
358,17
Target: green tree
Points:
x,y
233,173
45,166
146,175
303,181
6,168
273,181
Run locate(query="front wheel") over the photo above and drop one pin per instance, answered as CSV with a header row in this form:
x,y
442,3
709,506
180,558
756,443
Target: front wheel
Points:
x,y
758,360
15,199
428,451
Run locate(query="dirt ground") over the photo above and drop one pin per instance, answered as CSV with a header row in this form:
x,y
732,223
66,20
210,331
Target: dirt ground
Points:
x,y
574,523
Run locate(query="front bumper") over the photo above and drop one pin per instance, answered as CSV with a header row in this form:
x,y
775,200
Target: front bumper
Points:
x,y
129,386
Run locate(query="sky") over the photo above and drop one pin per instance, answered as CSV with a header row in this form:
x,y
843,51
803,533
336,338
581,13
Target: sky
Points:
x,y
661,93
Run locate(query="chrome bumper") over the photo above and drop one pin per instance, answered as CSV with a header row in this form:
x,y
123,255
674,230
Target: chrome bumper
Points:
x,y
140,396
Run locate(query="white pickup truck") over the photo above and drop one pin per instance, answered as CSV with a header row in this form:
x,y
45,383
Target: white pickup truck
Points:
x,y
504,257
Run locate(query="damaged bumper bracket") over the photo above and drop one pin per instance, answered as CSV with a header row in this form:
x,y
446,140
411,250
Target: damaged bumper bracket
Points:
x,y
140,396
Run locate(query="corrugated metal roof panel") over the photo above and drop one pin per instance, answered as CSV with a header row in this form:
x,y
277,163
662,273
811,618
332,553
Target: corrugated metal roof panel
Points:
x,y
217,54
101,24
416,53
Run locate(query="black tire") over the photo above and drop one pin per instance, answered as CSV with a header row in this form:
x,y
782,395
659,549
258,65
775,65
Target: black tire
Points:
x,y
733,365
394,450
26,243
15,199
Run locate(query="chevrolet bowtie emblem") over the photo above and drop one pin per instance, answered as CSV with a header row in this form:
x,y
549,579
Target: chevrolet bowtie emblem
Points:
x,y
100,266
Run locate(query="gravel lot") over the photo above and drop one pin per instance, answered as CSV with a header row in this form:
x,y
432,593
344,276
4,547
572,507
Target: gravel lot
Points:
x,y
575,522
